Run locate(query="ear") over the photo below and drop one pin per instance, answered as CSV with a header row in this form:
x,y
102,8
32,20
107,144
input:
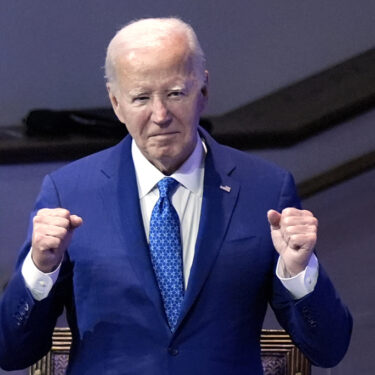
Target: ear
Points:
x,y
204,89
204,92
114,101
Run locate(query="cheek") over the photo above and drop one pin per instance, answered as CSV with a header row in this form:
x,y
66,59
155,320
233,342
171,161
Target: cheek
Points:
x,y
135,123
187,115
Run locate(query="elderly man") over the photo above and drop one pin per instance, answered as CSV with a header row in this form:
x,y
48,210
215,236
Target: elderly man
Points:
x,y
159,248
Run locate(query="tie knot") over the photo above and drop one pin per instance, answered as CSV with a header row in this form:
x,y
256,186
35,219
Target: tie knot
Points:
x,y
166,185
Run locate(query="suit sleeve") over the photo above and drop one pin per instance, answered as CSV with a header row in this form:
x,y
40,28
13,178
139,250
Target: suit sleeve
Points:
x,y
26,325
319,323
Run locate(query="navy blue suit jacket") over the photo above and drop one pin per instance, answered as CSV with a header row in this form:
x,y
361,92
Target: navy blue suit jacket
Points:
x,y
108,286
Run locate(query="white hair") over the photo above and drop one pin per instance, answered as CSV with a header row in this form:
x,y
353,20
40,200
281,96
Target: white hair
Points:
x,y
150,32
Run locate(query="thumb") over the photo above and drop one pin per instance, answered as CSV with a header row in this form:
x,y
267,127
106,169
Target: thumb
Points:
x,y
274,218
75,221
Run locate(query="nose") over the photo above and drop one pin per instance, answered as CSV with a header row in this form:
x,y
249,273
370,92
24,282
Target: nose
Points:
x,y
160,112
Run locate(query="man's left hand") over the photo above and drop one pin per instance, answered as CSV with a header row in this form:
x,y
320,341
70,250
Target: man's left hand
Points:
x,y
294,235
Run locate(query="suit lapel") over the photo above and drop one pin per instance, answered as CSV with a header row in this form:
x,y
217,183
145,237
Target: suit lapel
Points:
x,y
217,207
121,192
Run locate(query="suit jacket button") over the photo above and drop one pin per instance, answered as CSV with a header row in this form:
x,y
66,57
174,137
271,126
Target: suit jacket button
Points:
x,y
173,351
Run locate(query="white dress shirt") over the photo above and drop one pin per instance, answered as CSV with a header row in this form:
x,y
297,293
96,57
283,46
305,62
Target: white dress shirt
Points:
x,y
187,200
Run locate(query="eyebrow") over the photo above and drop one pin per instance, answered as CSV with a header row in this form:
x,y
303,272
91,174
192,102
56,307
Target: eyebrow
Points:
x,y
183,86
137,92
178,87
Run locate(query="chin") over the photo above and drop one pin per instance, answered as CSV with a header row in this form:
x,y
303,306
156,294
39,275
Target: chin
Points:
x,y
167,162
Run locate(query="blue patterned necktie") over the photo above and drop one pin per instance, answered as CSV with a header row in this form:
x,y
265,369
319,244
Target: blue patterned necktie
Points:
x,y
166,251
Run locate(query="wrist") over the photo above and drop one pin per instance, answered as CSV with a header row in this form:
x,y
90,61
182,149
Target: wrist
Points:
x,y
292,269
46,265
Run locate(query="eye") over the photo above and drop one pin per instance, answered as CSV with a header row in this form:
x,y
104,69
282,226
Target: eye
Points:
x,y
141,98
176,94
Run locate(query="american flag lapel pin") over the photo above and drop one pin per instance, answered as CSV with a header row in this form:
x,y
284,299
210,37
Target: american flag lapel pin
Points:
x,y
225,188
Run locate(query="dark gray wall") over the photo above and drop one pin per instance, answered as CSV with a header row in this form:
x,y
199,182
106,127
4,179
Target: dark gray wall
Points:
x,y
328,149
52,52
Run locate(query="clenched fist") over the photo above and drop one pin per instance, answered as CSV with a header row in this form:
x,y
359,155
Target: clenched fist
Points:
x,y
294,235
52,233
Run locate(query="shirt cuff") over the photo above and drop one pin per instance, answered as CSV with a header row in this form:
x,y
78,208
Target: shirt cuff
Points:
x,y
303,283
38,282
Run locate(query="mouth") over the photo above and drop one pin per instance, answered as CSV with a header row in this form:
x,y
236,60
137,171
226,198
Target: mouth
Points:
x,y
164,135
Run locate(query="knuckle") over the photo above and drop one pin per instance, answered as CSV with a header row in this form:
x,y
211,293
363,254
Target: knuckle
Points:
x,y
63,212
287,211
36,237
287,220
41,211
307,212
36,219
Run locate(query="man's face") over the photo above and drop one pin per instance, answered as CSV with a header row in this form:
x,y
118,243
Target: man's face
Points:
x,y
159,98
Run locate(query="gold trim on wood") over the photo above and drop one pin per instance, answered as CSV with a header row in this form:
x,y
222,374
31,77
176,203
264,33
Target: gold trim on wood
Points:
x,y
278,343
61,342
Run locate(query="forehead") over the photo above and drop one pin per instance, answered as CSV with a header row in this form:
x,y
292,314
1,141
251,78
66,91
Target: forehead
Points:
x,y
166,58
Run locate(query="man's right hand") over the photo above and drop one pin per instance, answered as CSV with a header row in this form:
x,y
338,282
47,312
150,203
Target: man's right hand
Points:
x,y
52,233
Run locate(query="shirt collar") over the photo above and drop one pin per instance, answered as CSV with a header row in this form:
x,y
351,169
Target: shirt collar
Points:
x,y
190,174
